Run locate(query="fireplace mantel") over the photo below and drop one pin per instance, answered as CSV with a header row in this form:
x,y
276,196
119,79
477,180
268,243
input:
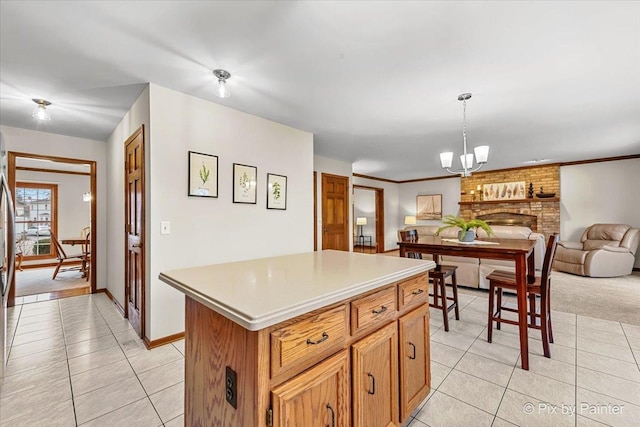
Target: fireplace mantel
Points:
x,y
520,201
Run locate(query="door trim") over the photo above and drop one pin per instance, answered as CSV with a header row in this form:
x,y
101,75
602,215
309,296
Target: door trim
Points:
x,y
143,249
11,177
379,214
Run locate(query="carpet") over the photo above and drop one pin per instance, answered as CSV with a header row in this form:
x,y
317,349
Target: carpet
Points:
x,y
38,281
615,298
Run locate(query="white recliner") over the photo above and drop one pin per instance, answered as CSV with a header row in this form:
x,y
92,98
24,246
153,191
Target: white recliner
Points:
x,y
604,250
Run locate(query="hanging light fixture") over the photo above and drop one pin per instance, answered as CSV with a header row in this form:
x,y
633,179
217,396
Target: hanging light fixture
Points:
x,y
482,151
222,90
40,112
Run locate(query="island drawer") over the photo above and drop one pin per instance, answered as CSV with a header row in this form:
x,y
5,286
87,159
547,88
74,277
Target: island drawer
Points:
x,y
413,291
303,343
373,310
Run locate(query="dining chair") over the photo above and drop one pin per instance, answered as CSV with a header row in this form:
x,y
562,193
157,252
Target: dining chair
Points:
x,y
86,251
437,276
62,257
539,317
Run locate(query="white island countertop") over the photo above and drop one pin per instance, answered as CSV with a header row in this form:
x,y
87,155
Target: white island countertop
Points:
x,y
262,292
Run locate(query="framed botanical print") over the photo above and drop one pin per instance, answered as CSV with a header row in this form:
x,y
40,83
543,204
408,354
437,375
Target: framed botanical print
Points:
x,y
244,183
276,191
429,206
203,175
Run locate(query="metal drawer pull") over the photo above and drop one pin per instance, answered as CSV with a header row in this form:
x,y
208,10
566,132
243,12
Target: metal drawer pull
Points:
x,y
373,384
417,292
414,351
382,309
333,416
324,338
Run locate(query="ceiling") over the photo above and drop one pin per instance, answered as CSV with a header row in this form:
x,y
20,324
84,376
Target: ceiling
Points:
x,y
375,82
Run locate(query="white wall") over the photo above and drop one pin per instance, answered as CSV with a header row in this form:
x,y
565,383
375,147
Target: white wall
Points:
x,y
448,187
391,208
334,167
605,192
49,144
216,230
364,205
137,116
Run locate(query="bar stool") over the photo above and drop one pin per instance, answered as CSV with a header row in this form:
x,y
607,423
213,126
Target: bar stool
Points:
x,y
438,276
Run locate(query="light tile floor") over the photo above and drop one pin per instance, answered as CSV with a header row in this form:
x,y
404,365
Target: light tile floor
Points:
x,y
75,361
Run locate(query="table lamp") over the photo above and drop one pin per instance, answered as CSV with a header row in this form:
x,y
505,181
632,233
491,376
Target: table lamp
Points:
x,y
410,220
360,221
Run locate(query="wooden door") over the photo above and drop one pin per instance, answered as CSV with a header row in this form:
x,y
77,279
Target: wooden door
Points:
x,y
415,375
335,212
318,397
134,230
375,379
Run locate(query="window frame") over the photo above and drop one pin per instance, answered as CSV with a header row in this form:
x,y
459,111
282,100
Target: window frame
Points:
x,y
53,219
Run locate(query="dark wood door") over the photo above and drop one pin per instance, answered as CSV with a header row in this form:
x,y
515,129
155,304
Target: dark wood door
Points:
x,y
134,230
335,212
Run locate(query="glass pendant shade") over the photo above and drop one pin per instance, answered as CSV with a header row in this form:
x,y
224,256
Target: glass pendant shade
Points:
x,y
482,153
469,161
446,159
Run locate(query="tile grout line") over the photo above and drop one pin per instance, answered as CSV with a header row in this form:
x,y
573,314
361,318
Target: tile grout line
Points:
x,y
66,354
136,375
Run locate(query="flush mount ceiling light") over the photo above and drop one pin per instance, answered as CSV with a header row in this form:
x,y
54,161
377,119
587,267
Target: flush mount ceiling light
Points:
x,y
222,76
482,151
40,112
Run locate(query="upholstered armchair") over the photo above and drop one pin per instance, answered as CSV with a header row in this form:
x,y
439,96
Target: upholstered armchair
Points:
x,y
604,250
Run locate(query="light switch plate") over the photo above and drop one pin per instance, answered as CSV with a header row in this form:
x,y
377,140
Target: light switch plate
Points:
x,y
165,227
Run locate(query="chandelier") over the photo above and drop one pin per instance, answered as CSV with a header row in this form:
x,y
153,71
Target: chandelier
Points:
x,y
482,151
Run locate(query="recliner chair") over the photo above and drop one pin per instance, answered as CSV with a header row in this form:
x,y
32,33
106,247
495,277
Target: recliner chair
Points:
x,y
604,250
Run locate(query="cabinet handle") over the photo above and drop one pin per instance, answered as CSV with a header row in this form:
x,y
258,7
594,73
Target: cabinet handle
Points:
x,y
333,416
417,292
325,336
373,384
414,351
382,309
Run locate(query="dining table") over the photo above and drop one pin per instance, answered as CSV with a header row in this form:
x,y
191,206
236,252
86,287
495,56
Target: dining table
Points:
x,y
521,251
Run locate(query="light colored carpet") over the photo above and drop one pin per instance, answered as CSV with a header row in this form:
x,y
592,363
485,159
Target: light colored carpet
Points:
x,y
616,298
38,281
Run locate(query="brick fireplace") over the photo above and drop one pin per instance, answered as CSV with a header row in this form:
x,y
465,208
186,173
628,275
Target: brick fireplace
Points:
x,y
542,215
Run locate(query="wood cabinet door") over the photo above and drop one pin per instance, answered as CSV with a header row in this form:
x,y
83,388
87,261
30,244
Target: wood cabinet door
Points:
x,y
375,379
415,372
317,397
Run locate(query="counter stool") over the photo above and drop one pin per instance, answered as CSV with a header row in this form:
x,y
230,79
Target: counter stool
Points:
x,y
438,276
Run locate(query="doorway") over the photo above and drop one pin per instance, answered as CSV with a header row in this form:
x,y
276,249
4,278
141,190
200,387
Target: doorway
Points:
x,y
368,214
54,199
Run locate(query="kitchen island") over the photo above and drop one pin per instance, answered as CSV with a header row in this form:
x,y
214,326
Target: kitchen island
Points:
x,y
322,338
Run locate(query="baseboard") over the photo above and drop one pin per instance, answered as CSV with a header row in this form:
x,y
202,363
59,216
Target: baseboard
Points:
x,y
163,341
391,250
115,301
636,268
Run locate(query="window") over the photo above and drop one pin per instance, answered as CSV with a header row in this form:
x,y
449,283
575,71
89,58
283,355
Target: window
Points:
x,y
36,210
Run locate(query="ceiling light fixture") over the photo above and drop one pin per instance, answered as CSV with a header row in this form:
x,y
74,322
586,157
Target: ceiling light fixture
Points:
x,y
482,151
40,112
222,76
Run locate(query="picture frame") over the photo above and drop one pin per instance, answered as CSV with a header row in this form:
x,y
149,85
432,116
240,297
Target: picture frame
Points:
x,y
245,180
429,206
504,191
276,191
203,175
